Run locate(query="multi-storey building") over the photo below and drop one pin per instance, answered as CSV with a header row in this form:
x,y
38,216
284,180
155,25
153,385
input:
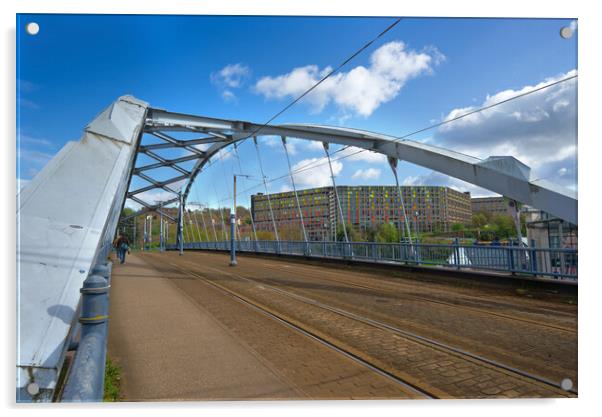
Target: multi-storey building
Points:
x,y
427,209
494,205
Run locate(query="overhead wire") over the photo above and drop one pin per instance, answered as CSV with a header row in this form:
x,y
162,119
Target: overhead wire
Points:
x,y
315,164
318,163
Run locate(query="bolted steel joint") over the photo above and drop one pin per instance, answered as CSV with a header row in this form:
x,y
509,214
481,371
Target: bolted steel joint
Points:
x,y
104,270
94,300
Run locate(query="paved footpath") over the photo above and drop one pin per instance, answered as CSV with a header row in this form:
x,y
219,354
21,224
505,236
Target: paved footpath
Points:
x,y
176,338
170,349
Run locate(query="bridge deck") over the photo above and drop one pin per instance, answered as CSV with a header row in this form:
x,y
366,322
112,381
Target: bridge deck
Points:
x,y
191,327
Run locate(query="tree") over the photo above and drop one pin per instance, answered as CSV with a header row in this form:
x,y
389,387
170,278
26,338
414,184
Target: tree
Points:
x,y
479,221
487,214
387,232
127,211
370,233
457,227
265,235
504,226
352,233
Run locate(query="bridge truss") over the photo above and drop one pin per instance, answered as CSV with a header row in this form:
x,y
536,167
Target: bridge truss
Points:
x,y
68,214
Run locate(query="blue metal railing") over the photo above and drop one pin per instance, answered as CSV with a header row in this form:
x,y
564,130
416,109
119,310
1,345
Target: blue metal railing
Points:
x,y
536,262
85,381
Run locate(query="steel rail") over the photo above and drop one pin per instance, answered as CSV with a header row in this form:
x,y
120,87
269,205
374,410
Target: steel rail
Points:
x,y
257,307
411,335
428,300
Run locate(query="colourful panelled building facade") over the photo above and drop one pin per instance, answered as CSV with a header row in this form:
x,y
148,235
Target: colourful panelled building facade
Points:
x,y
428,209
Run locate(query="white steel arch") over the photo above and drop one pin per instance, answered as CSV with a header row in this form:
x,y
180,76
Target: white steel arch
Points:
x,y
504,175
67,215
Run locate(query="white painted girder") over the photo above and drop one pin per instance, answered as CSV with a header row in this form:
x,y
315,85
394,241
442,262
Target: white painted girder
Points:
x,y
65,216
501,174
71,208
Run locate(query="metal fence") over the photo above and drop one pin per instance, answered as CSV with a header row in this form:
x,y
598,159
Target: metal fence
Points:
x,y
536,262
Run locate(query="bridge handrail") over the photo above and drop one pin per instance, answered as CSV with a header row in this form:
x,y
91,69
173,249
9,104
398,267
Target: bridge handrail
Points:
x,y
555,263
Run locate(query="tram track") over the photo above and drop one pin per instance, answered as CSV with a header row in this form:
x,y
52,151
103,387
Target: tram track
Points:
x,y
384,289
427,342
410,388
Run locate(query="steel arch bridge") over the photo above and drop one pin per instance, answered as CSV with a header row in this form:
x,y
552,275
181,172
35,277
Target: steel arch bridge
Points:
x,y
68,214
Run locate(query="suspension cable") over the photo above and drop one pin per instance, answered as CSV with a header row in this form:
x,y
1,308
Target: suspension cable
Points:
x,y
200,205
336,194
237,155
225,176
221,215
267,194
393,165
288,160
186,232
212,221
196,222
324,78
204,223
316,164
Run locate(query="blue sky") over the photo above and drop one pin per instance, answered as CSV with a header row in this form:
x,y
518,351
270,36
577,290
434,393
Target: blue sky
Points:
x,y
248,68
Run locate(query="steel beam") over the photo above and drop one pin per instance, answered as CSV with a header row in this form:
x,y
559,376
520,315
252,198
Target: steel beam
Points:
x,y
150,207
67,216
168,163
501,174
57,247
165,161
157,184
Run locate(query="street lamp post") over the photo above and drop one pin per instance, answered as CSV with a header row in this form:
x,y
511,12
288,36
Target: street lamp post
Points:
x,y
233,229
166,232
149,218
144,237
233,223
416,224
161,230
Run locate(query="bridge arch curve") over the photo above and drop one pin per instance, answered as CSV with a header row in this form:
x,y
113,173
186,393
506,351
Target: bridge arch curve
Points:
x,y
504,175
68,213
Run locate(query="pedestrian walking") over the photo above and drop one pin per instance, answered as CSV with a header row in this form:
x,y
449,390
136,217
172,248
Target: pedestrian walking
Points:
x,y
122,245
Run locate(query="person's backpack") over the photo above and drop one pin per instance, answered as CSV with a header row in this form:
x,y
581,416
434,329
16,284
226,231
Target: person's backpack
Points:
x,y
125,246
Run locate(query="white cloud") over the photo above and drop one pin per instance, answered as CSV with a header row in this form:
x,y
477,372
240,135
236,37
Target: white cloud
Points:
x,y
29,104
272,141
292,144
224,154
359,91
366,174
438,179
540,129
312,145
232,76
228,95
36,157
201,147
27,86
29,140
318,175
361,155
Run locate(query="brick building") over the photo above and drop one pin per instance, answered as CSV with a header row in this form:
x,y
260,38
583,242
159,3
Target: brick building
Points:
x,y
428,208
493,205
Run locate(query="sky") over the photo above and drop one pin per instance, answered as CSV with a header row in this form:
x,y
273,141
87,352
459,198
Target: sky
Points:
x,y
421,72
